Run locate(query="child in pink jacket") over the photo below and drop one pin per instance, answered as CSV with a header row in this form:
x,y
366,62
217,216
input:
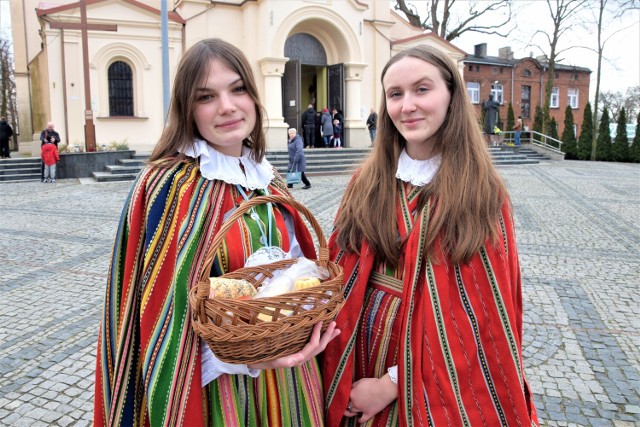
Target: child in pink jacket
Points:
x,y
50,157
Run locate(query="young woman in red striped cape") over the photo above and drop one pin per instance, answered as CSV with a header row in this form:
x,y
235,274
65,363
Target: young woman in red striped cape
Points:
x,y
152,370
432,326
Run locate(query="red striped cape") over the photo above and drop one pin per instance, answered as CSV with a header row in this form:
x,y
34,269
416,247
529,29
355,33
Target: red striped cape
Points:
x,y
460,348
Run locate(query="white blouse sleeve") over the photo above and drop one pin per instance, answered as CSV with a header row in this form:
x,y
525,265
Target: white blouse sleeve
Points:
x,y
212,367
393,374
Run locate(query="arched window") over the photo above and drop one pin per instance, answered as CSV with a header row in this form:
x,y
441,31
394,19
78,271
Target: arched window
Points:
x,y
527,72
120,89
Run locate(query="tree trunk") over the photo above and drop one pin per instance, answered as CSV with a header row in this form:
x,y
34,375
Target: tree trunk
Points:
x,y
594,141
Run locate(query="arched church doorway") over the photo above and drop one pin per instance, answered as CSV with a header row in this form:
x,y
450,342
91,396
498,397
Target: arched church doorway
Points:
x,y
308,79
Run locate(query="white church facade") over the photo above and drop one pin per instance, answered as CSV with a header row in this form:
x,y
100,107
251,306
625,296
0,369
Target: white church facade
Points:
x,y
97,65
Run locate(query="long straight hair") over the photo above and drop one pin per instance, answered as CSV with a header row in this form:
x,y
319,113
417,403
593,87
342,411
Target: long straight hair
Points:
x,y
181,130
466,193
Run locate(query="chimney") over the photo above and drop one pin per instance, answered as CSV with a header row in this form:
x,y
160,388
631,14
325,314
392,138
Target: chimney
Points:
x,y
480,50
505,53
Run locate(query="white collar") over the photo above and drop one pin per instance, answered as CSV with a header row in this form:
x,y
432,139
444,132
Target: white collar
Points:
x,y
215,165
417,172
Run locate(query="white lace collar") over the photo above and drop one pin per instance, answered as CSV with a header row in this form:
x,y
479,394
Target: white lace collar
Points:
x,y
417,172
215,165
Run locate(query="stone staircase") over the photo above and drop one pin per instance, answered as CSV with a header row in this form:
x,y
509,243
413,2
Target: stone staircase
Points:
x,y
125,170
20,169
505,155
320,161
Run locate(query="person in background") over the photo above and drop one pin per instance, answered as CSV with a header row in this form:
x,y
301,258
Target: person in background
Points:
x,y
327,127
432,323
152,369
309,126
48,135
337,134
372,121
50,158
297,159
6,132
518,128
337,115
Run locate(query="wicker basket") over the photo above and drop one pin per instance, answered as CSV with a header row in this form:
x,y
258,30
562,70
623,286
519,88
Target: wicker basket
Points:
x,y
232,328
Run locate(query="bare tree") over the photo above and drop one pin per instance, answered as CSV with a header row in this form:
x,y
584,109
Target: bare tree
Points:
x,y
450,22
8,87
619,7
562,13
615,101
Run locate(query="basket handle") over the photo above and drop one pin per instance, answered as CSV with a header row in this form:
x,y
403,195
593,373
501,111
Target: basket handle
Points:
x,y
323,251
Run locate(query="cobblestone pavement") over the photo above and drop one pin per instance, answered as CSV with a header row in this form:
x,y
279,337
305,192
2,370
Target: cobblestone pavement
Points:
x,y
579,240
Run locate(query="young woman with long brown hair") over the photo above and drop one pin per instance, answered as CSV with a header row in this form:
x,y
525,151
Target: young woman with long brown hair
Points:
x,y
152,369
432,326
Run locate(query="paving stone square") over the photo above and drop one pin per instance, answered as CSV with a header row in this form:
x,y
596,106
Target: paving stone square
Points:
x,y
578,230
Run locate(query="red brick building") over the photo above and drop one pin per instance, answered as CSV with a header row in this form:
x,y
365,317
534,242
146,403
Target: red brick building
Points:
x,y
521,82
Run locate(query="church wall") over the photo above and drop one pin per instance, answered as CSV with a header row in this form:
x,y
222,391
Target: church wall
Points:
x,y
137,43
39,95
356,33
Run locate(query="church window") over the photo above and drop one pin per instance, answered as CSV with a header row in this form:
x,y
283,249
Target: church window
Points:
x,y
120,89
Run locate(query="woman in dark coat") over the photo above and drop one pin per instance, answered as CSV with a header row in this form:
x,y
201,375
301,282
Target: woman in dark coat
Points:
x,y
327,127
297,161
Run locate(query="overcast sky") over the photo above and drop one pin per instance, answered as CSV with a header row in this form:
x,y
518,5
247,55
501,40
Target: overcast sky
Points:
x,y
621,64
620,69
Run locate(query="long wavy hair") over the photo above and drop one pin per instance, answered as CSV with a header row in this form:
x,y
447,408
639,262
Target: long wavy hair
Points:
x,y
181,130
466,193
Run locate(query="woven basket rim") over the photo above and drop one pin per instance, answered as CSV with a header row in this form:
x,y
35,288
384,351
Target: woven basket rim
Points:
x,y
296,325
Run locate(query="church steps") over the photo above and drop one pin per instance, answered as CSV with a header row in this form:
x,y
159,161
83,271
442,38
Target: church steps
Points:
x,y
320,161
20,169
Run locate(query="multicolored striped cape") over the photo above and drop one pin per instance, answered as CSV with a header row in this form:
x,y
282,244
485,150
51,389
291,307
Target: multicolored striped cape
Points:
x,y
148,363
459,347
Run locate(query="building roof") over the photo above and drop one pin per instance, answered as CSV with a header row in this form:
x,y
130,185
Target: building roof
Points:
x,y
45,9
490,60
506,62
426,35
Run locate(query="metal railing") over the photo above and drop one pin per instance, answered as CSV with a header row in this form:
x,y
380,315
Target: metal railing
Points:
x,y
536,138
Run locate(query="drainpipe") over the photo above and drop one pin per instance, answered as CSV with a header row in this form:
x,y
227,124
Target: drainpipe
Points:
x,y
513,71
64,89
165,58
27,62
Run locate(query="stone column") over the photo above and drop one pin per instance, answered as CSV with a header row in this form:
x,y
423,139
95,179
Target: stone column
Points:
x,y
275,128
355,129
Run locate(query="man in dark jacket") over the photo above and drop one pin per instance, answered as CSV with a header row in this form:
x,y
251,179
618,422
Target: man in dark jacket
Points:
x,y
309,126
5,133
49,135
372,123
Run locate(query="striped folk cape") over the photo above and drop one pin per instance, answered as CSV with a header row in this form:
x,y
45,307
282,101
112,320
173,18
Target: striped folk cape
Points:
x,y
454,331
148,363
